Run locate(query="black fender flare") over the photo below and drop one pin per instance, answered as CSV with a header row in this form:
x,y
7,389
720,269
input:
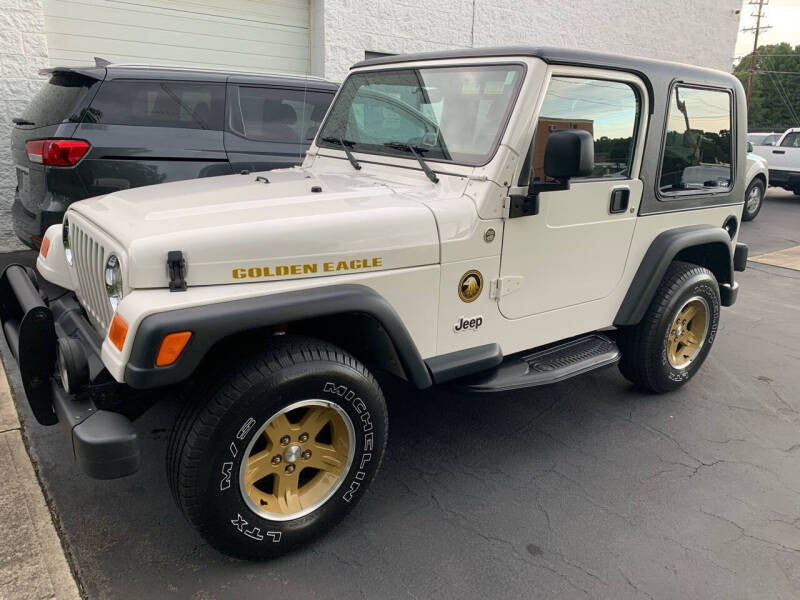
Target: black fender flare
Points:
x,y
211,323
662,251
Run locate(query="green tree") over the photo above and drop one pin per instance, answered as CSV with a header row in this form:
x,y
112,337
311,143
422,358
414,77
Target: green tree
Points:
x,y
775,96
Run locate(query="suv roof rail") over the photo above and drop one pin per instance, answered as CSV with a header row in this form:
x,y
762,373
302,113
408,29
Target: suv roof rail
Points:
x,y
212,70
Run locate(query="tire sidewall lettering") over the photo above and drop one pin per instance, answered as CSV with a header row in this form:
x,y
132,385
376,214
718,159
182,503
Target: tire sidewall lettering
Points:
x,y
351,398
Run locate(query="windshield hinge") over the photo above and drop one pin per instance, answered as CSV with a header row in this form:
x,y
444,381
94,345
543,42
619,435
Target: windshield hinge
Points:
x,y
504,286
176,269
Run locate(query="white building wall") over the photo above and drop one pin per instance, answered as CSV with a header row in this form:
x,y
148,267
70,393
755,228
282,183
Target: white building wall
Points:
x,y
23,51
701,32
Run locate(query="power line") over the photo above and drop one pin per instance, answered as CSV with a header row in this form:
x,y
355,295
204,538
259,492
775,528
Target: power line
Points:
x,y
783,93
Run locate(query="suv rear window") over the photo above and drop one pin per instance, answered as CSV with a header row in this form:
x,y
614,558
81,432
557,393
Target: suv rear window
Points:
x,y
157,103
58,100
698,144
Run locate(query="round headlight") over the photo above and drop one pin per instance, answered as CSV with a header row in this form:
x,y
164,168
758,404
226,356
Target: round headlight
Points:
x,y
65,240
113,276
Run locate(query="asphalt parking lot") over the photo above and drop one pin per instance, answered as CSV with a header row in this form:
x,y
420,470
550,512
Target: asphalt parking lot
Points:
x,y
584,489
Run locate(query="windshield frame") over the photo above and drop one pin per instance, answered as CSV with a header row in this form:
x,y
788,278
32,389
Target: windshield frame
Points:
x,y
388,152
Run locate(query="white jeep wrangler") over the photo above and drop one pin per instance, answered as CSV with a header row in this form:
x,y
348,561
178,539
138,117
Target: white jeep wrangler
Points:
x,y
489,219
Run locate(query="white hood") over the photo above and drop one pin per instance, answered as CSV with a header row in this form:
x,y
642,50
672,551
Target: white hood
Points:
x,y
234,229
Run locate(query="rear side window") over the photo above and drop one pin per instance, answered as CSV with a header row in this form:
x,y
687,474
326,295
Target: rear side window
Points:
x,y
59,100
698,145
606,109
792,140
155,103
277,114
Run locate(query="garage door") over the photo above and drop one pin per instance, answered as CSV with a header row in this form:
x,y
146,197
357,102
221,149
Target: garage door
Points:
x,y
262,35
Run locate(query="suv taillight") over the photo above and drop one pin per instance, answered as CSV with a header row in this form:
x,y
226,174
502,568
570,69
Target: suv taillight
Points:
x,y
58,153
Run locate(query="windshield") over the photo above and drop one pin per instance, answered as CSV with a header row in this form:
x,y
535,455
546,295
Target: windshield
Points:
x,y
454,114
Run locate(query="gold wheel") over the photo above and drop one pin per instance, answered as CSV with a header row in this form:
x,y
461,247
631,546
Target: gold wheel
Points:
x,y
687,332
297,460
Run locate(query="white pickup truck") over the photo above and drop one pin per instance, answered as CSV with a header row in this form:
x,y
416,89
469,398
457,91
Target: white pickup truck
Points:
x,y
784,160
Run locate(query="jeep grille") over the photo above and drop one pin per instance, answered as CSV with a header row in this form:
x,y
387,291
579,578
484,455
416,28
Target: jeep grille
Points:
x,y
89,260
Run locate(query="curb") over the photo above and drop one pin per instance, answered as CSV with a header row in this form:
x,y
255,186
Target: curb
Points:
x,y
32,560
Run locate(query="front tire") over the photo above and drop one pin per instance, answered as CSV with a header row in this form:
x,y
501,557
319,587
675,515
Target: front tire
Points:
x,y
675,335
753,199
279,450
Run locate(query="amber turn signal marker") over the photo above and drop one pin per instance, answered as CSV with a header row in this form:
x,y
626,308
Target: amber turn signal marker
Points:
x,y
45,247
171,347
117,332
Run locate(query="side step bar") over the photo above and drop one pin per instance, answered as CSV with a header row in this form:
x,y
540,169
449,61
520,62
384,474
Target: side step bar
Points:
x,y
543,367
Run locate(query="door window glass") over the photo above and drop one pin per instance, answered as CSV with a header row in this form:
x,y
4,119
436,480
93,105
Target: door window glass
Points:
x,y
606,109
792,140
280,115
155,103
698,145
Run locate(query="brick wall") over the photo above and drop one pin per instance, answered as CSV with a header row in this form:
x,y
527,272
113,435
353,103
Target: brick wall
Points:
x,y
23,51
701,32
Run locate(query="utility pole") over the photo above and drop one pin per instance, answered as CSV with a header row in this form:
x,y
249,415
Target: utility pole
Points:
x,y
759,14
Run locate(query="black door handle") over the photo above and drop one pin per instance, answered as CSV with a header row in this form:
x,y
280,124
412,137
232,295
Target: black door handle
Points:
x,y
779,151
619,200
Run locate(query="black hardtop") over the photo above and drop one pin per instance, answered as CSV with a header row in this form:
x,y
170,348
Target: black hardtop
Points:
x,y
659,77
648,67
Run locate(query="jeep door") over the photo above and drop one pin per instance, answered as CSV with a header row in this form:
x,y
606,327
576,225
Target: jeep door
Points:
x,y
148,131
575,249
270,127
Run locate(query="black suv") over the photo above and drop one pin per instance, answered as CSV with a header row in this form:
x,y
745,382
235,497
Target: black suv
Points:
x,y
95,130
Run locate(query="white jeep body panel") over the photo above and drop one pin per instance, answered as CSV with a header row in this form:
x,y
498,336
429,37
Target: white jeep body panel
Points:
x,y
233,226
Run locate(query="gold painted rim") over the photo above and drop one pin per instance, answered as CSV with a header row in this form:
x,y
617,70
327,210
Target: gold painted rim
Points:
x,y
687,333
297,460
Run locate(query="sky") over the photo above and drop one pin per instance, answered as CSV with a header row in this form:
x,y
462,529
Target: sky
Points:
x,y
783,15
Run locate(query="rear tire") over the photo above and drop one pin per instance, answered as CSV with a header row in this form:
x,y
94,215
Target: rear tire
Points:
x,y
279,449
675,335
753,200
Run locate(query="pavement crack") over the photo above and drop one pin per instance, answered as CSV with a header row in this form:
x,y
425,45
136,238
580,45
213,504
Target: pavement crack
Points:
x,y
634,586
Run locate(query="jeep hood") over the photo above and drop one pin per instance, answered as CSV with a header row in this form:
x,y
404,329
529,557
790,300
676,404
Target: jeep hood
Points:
x,y
236,229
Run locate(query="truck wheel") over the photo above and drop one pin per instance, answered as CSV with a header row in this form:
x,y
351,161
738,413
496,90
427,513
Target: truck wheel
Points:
x,y
668,346
753,199
279,449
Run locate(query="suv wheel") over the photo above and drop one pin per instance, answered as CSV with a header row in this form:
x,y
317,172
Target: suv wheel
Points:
x,y
668,346
753,199
280,450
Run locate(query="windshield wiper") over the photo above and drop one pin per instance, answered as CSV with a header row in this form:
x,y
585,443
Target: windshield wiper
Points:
x,y
22,122
345,144
416,151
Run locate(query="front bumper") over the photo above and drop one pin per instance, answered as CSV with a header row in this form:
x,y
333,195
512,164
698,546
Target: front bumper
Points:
x,y
104,443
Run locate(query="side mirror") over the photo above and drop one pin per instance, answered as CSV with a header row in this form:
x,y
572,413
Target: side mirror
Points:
x,y
749,146
569,153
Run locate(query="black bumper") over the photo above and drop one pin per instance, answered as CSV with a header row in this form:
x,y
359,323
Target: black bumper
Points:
x,y
104,443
